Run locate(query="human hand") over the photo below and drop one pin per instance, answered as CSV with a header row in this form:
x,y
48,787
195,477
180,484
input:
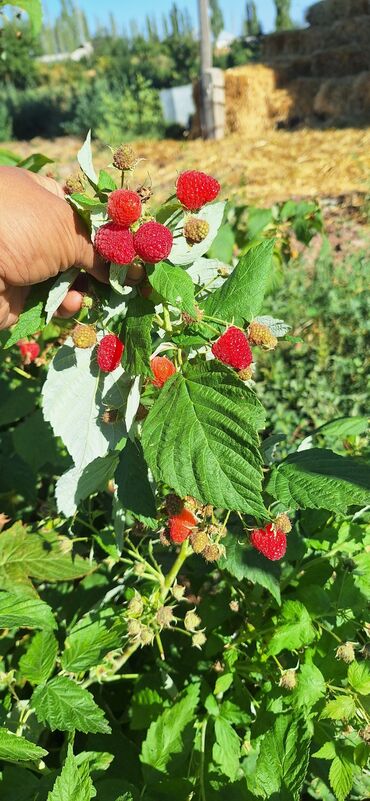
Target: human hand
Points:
x,y
40,236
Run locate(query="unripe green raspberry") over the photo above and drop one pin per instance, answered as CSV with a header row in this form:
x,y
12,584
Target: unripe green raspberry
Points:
x,y
124,158
195,230
198,639
288,680
146,635
135,606
139,568
134,629
199,541
213,552
84,336
260,334
165,617
282,523
346,653
191,620
178,591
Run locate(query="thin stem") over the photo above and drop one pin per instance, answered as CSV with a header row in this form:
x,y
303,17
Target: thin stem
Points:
x,y
202,795
160,646
176,567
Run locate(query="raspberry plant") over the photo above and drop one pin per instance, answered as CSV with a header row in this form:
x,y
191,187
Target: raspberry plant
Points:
x,y
193,601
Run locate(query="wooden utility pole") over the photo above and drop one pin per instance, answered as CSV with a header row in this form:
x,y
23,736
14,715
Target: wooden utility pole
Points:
x,y
212,84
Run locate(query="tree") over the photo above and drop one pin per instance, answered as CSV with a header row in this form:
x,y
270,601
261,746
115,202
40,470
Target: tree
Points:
x,y
217,18
252,25
283,19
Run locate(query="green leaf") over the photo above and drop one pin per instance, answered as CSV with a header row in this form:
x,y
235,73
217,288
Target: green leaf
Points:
x,y
295,632
240,298
200,438
258,219
79,483
359,677
8,158
244,563
18,749
106,182
74,782
164,736
342,708
84,158
20,611
16,401
37,664
88,642
182,253
311,687
62,704
73,404
133,487
320,479
30,320
277,327
226,749
223,245
43,556
34,10
341,777
327,751
174,285
59,290
343,427
283,759
35,162
136,334
34,442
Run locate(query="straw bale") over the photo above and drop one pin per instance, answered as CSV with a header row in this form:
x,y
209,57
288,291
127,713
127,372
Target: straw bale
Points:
x,y
345,99
340,61
355,31
328,11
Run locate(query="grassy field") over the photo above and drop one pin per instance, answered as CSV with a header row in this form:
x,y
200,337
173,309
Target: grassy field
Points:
x,y
282,164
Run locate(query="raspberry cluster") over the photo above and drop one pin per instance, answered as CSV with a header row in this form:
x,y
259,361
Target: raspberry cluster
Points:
x,y
114,241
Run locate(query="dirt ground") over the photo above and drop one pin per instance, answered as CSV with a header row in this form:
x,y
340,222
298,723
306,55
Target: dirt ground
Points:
x,y
282,164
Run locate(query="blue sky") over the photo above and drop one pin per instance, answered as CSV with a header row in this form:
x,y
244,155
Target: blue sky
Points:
x,y
125,9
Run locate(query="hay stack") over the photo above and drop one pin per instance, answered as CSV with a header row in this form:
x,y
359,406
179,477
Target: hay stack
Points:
x,y
344,100
328,11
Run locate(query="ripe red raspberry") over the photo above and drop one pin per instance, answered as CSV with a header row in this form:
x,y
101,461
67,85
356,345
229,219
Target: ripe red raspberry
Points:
x,y
195,188
181,525
162,369
28,350
109,353
270,542
124,207
153,242
232,348
115,243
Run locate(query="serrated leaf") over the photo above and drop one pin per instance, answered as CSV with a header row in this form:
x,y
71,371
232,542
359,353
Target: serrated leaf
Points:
x,y
77,484
359,677
320,479
73,404
277,327
37,664
30,320
182,253
74,782
295,632
226,749
200,438
34,442
136,334
134,491
240,298
15,401
34,10
106,182
43,556
59,290
84,158
283,759
164,736
62,704
174,285
88,642
343,427
18,749
327,751
244,563
342,708
341,777
20,611
310,688
36,161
